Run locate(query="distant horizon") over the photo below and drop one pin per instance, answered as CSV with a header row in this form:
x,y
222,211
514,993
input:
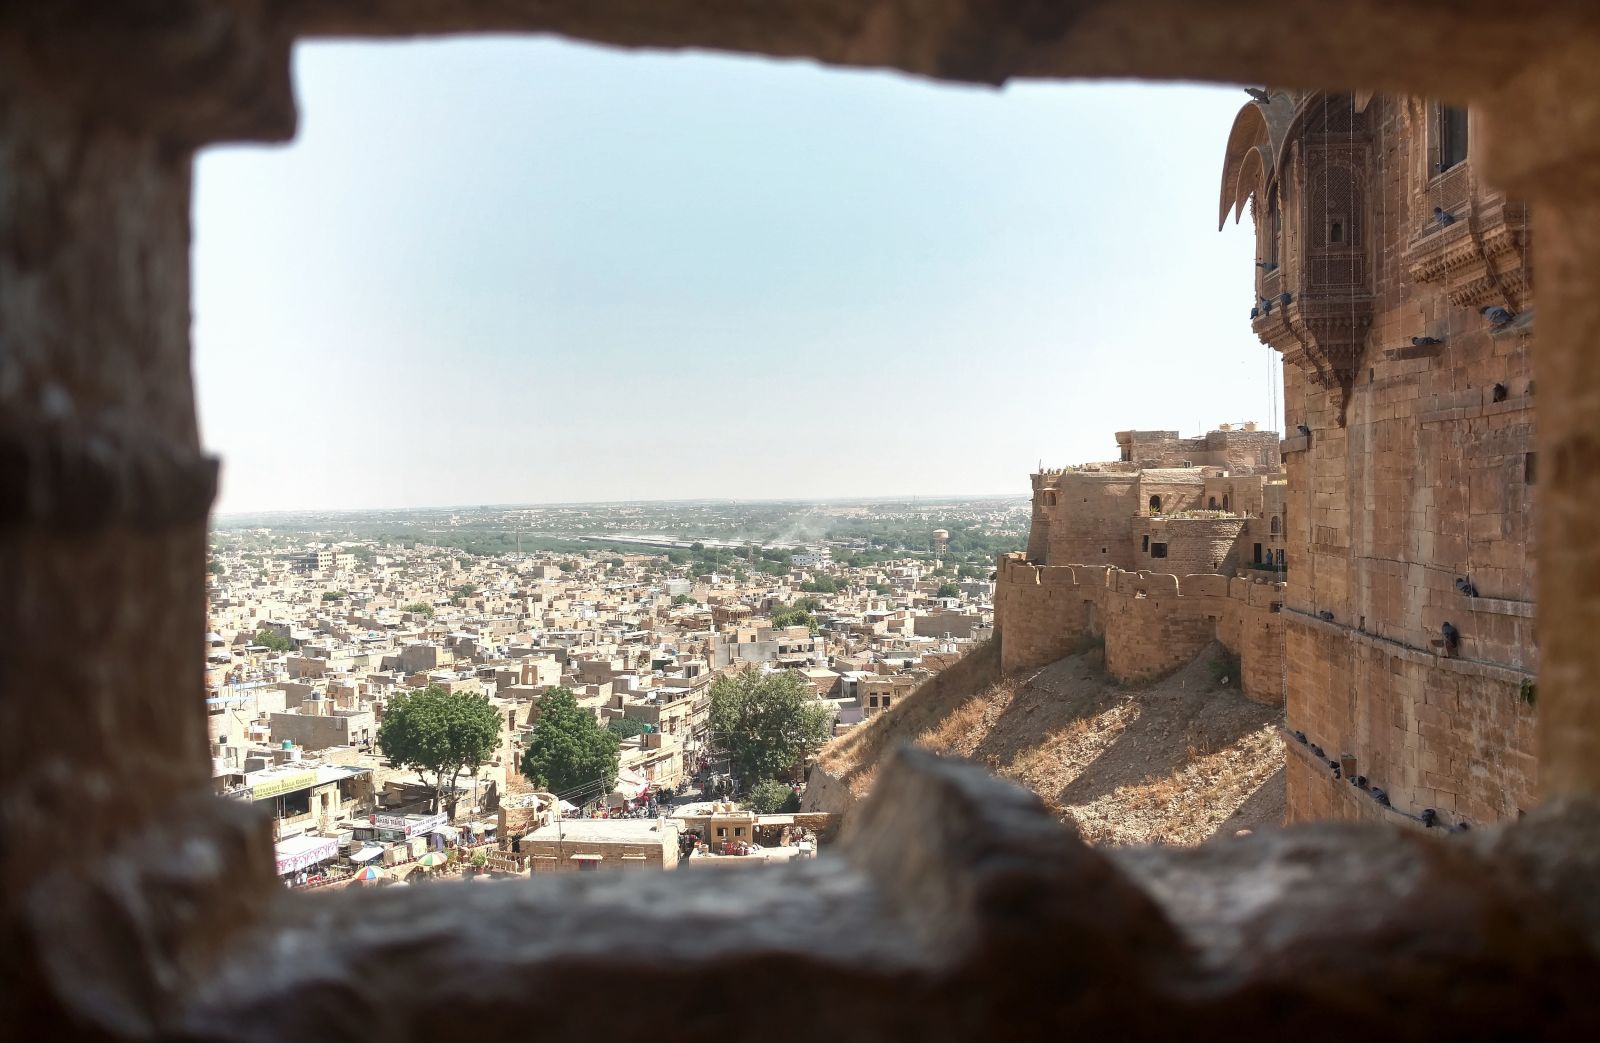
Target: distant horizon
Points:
x,y
932,498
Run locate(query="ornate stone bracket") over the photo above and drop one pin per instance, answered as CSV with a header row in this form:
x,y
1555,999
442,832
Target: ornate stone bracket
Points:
x,y
1481,259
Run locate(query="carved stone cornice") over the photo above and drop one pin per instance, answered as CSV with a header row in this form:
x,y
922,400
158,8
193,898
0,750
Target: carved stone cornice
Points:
x,y
1479,260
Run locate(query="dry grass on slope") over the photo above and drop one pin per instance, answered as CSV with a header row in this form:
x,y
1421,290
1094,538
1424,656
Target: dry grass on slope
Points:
x,y
1171,762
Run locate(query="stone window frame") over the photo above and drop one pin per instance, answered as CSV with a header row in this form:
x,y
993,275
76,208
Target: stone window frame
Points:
x,y
957,899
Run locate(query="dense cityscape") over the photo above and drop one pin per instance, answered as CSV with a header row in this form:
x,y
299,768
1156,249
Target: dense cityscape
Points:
x,y
622,629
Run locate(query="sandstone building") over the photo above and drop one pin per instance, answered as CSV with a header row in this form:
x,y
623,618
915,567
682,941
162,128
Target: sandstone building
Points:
x,y
1408,615
1110,540
1168,504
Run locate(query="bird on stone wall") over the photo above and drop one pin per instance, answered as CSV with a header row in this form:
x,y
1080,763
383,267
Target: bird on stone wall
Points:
x,y
1425,342
1496,315
1461,827
1300,737
1499,393
1325,615
1443,217
1259,96
1317,750
1303,429
1255,313
1380,796
1452,637
1429,817
1360,782
1267,266
1266,306
1285,297
1464,585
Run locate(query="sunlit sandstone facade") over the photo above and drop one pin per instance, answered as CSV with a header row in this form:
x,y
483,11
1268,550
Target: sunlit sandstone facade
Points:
x,y
1410,456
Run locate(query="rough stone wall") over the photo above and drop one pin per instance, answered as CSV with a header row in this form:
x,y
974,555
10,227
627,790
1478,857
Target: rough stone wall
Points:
x,y
1089,524
1195,546
1041,611
1414,479
1455,735
1150,629
1151,623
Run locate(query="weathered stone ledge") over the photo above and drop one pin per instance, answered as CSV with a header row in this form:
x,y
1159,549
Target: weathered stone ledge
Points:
x,y
1467,667
959,909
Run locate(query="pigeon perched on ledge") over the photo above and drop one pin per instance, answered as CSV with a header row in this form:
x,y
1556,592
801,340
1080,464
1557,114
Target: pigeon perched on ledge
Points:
x,y
1496,315
1303,429
1267,266
1425,342
1257,95
1429,817
1452,636
1464,585
1442,216
1381,797
1499,393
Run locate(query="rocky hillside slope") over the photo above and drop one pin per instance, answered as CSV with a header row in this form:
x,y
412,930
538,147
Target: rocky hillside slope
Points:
x,y
1176,761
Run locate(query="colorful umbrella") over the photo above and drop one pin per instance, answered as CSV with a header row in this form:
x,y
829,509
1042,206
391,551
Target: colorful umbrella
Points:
x,y
433,858
368,874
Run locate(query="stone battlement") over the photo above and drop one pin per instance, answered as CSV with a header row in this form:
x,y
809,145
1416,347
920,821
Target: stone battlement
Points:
x,y
1152,623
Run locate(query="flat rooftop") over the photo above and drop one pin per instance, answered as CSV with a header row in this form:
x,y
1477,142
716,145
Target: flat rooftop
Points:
x,y
600,830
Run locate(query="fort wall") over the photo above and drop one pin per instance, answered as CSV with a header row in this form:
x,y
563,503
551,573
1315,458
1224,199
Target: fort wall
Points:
x,y
1152,623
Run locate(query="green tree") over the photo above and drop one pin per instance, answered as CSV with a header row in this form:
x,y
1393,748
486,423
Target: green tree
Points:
x,y
768,723
335,595
626,727
420,608
569,749
215,567
466,590
947,590
274,640
794,617
821,585
616,563
882,588
682,599
433,730
769,797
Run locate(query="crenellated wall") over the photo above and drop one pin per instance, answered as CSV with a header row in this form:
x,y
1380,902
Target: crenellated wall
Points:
x,y
1152,623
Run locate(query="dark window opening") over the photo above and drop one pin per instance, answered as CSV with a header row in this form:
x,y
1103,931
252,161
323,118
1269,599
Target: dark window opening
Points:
x,y
1452,136
1146,546
1527,467
1158,550
1227,503
1211,504
1336,232
1275,525
1155,505
1275,228
1258,554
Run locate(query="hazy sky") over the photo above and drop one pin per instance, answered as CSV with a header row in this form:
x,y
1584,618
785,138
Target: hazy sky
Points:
x,y
497,271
